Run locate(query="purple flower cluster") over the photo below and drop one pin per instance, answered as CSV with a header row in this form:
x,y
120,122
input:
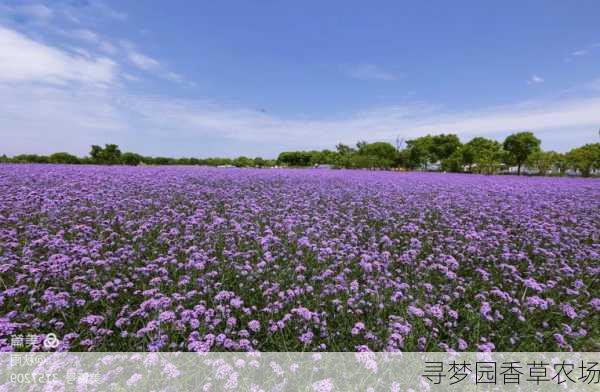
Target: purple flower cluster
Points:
x,y
199,259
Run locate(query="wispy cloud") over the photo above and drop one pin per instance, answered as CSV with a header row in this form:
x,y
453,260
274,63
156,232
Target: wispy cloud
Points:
x,y
87,11
535,79
586,50
85,35
107,11
71,109
53,99
44,118
39,12
23,59
580,53
70,27
92,38
143,62
370,72
147,63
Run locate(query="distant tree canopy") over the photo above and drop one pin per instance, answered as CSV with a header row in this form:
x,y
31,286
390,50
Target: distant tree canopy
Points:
x,y
380,150
431,149
131,158
482,155
64,157
295,158
109,155
585,158
443,151
519,146
544,161
365,155
243,162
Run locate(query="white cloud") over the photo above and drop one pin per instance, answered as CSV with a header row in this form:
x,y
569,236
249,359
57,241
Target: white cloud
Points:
x,y
370,72
23,59
147,63
39,12
52,100
48,118
101,7
579,53
90,37
85,35
173,77
582,52
142,61
107,47
535,80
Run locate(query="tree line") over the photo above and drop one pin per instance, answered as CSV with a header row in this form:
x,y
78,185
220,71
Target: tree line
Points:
x,y
447,153
111,154
431,152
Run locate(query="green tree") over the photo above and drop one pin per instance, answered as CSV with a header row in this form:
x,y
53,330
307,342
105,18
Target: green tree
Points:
x,y
344,149
327,157
63,157
443,146
432,149
31,158
544,161
260,162
216,161
380,150
96,153
562,163
419,151
243,162
112,154
131,158
482,155
294,158
454,163
109,155
162,161
585,158
519,147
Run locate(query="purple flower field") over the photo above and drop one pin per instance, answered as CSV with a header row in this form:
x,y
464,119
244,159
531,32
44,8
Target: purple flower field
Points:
x,y
196,259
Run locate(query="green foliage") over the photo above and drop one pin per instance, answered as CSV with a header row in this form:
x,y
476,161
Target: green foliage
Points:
x,y
585,158
343,149
482,155
109,155
260,162
294,158
380,150
216,161
419,152
365,155
519,147
432,149
544,161
323,157
63,157
243,162
454,163
131,158
161,161
479,155
443,146
31,158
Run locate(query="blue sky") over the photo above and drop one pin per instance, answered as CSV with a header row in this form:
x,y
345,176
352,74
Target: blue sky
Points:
x,y
199,78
